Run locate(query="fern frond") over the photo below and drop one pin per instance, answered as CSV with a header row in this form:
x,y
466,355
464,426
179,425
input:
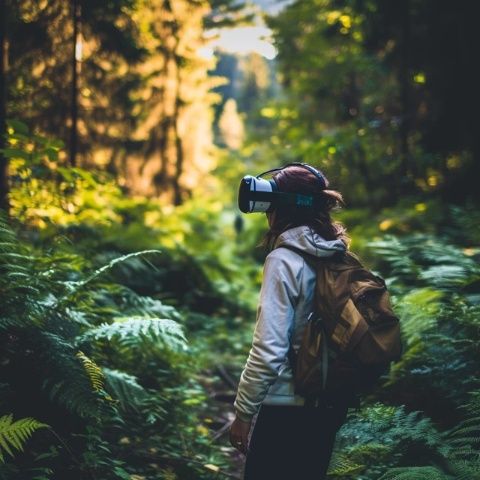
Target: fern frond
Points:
x,y
66,380
418,311
428,258
94,372
459,449
393,425
415,473
462,441
451,276
123,299
397,254
341,465
13,435
124,388
128,331
77,286
17,280
465,470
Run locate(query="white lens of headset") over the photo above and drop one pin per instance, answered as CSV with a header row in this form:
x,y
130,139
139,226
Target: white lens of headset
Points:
x,y
260,185
246,194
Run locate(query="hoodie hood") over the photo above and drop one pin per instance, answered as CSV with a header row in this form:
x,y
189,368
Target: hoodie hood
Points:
x,y
306,239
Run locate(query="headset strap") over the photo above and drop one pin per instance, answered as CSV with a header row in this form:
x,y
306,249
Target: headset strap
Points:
x,y
308,167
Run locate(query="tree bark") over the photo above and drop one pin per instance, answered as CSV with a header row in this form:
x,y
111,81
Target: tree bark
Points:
x,y
405,90
4,204
75,75
178,142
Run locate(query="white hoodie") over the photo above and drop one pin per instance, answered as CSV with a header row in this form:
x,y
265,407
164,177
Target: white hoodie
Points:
x,y
286,300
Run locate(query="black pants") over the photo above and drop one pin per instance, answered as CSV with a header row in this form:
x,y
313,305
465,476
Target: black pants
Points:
x,y
293,442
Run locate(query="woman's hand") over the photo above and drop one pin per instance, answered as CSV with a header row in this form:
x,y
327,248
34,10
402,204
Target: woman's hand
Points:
x,y
239,434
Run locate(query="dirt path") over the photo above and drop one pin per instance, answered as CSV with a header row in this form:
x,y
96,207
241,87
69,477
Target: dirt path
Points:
x,y
222,394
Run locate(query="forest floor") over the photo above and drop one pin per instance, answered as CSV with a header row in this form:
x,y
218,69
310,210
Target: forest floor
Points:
x,y
221,396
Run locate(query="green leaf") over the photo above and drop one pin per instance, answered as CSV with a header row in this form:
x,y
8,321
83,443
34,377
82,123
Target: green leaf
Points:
x,y
18,126
16,153
13,435
130,331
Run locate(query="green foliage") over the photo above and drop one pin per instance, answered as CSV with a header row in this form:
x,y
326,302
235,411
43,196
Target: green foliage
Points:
x,y
14,434
418,312
461,442
132,332
15,280
342,466
66,381
439,324
45,191
414,473
94,372
55,307
124,388
458,454
381,435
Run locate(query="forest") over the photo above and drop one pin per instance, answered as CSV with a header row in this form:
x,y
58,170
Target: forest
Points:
x,y
129,279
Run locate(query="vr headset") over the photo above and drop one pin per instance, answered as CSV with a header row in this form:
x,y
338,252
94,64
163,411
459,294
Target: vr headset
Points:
x,y
259,195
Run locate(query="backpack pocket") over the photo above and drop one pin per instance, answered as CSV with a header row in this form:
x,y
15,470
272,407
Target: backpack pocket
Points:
x,y
349,322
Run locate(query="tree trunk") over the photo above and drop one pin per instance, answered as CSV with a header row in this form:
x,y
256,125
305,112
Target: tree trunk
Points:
x,y
4,204
405,90
178,141
75,75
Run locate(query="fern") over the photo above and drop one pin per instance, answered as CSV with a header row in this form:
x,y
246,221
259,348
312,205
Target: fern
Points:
x,y
76,287
135,399
458,452
415,473
132,331
463,441
125,389
17,281
342,465
112,298
13,435
450,277
65,379
398,255
94,372
426,258
379,436
418,311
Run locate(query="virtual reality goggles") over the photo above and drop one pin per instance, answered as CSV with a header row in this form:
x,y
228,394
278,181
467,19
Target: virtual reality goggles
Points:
x,y
259,195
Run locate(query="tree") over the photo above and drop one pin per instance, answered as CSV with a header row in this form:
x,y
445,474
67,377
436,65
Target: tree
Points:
x,y
382,91
231,125
175,117
137,101
76,46
3,102
46,90
430,49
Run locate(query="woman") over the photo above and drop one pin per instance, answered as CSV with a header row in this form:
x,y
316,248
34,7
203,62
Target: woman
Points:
x,y
290,440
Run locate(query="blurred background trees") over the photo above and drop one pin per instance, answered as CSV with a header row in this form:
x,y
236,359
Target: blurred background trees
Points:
x,y
388,81
117,81
384,90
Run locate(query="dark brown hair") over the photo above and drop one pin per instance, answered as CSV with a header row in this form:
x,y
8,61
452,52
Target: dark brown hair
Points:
x,y
295,179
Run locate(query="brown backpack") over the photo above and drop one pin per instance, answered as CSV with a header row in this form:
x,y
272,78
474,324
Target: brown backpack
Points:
x,y
353,335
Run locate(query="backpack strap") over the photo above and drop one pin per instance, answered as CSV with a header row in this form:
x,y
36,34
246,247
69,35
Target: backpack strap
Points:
x,y
292,356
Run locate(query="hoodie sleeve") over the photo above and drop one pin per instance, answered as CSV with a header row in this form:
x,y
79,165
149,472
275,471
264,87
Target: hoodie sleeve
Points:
x,y
271,339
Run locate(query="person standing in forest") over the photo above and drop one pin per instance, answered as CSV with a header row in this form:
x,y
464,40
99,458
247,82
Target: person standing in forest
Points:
x,y
291,438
